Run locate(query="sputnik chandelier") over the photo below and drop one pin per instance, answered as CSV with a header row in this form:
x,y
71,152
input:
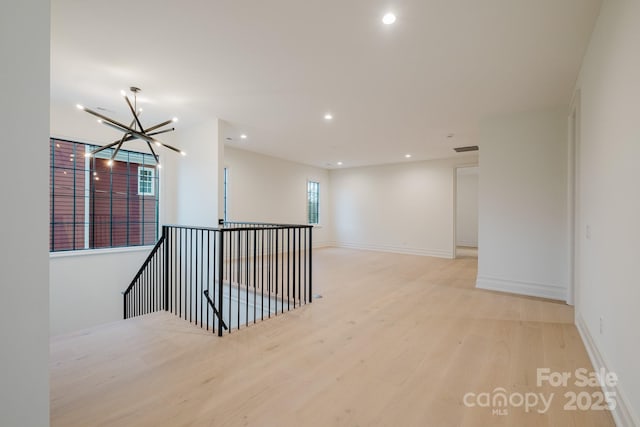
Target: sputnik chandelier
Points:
x,y
134,131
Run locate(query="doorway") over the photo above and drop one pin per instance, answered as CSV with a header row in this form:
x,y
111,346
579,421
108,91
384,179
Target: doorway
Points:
x,y
466,215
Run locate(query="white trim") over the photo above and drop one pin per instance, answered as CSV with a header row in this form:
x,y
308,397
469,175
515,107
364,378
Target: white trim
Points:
x,y
318,245
473,244
105,251
438,253
454,235
455,205
87,196
226,182
573,196
541,290
623,415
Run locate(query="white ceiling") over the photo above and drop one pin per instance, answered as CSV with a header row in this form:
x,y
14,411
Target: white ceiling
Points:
x,y
271,69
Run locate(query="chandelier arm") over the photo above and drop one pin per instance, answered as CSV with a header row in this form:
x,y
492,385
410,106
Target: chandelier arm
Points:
x,y
125,137
134,133
170,147
104,147
115,152
135,116
106,120
159,125
155,156
161,131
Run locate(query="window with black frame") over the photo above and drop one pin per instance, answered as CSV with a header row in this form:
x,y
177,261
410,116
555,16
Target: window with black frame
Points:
x,y
94,205
313,202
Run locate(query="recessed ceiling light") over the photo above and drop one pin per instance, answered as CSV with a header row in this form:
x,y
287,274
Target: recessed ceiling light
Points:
x,y
328,116
388,18
408,156
243,136
339,163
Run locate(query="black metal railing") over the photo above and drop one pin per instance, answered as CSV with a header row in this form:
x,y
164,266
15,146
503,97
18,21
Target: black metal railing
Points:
x,y
225,277
143,294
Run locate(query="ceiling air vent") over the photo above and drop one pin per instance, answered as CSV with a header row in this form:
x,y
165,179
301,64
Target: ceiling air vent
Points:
x,y
465,149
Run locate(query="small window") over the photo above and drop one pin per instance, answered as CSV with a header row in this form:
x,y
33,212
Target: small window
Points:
x,y
313,202
145,181
226,195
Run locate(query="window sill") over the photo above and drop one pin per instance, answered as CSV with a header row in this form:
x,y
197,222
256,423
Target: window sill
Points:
x,y
105,251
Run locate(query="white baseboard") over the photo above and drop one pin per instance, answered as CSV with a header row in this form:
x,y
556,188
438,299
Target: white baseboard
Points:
x,y
623,415
541,290
318,245
469,243
396,249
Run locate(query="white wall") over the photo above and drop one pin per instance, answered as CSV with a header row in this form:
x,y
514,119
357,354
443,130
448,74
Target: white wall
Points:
x,y
406,208
24,305
523,231
199,175
268,189
86,287
609,201
467,206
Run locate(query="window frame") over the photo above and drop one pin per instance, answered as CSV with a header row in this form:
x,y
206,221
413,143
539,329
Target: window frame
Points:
x,y
151,182
225,194
313,191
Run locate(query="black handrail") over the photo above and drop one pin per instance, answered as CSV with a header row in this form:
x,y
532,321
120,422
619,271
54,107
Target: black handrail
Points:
x,y
144,264
141,271
215,311
262,224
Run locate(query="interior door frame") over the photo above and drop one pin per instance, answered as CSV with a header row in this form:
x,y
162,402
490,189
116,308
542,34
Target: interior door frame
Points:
x,y
455,203
573,187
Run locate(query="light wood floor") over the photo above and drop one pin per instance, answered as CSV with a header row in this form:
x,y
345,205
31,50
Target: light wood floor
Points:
x,y
396,340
